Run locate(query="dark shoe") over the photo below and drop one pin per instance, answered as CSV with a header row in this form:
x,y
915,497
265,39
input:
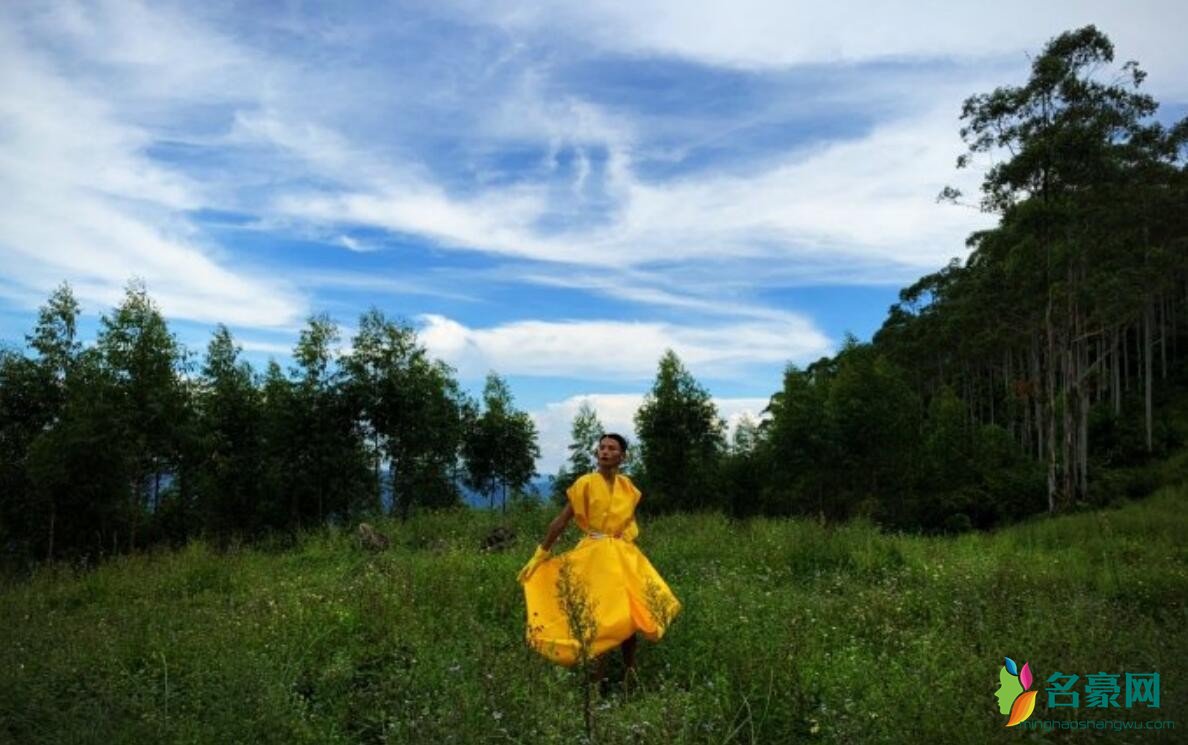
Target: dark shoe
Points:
x,y
604,687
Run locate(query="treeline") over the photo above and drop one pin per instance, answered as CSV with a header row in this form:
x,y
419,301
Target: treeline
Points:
x,y
131,442
1000,386
1021,380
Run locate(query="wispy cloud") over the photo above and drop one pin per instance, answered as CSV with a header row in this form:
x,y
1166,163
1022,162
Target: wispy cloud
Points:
x,y
429,147
84,202
765,34
612,350
870,200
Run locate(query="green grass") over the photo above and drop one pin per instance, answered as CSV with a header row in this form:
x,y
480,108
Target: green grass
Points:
x,y
790,632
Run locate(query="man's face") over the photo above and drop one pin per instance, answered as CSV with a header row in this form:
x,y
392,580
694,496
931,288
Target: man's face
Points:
x,y
610,454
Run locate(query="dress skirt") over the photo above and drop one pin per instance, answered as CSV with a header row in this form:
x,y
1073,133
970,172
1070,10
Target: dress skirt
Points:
x,y
622,590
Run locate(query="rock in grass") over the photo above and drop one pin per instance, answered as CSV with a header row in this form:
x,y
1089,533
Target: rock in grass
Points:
x,y
371,539
499,538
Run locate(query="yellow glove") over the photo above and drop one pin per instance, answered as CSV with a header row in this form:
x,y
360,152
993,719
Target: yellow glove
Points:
x,y
541,554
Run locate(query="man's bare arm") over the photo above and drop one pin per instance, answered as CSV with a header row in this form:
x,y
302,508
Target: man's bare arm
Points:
x,y
557,527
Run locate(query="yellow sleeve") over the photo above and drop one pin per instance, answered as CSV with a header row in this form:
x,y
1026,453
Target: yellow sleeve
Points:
x,y
635,492
631,532
579,499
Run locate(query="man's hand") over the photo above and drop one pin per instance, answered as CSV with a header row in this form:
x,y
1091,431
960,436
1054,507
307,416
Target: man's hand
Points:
x,y
541,555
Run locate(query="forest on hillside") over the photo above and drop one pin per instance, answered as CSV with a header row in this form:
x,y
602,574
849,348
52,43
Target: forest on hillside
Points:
x,y
1042,373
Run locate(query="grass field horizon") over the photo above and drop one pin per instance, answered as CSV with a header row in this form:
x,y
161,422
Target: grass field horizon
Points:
x,y
790,631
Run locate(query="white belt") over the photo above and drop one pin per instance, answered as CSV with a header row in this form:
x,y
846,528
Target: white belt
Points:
x,y
595,534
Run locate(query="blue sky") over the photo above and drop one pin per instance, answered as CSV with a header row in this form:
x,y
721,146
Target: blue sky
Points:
x,y
554,191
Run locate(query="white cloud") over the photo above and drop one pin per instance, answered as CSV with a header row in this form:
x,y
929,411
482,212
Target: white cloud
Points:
x,y
352,244
871,199
87,89
614,350
380,284
839,207
765,34
83,202
159,53
849,203
616,412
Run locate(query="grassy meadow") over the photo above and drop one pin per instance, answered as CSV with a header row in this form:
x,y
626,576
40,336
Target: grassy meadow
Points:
x,y
790,632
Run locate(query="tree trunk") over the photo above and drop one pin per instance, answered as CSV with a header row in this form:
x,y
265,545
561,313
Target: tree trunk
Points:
x,y
1083,430
1051,404
1068,427
1147,313
990,394
49,557
379,480
1162,338
133,515
1125,360
1037,400
1027,423
1116,376
1173,310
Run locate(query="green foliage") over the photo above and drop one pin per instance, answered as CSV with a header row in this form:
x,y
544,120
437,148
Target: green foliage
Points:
x,y
144,359
801,445
877,416
742,472
680,441
26,410
230,484
1051,325
499,447
842,433
583,442
55,336
413,409
790,632
329,469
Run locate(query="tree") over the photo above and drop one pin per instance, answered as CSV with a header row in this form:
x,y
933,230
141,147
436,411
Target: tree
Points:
x,y
281,445
332,463
743,470
876,417
80,467
32,397
412,409
800,444
584,433
25,411
55,336
144,359
500,448
230,440
1089,209
681,439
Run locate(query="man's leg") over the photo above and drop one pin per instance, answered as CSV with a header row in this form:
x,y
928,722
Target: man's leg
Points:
x,y
628,648
598,669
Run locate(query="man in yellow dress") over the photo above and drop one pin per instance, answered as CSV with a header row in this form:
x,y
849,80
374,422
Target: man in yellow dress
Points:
x,y
622,589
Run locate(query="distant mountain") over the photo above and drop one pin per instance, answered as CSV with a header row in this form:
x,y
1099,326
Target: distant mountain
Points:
x,y
540,486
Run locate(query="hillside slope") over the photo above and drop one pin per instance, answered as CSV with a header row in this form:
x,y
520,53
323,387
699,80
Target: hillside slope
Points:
x,y
790,631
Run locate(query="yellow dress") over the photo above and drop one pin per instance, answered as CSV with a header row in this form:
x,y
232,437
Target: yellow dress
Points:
x,y
626,592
